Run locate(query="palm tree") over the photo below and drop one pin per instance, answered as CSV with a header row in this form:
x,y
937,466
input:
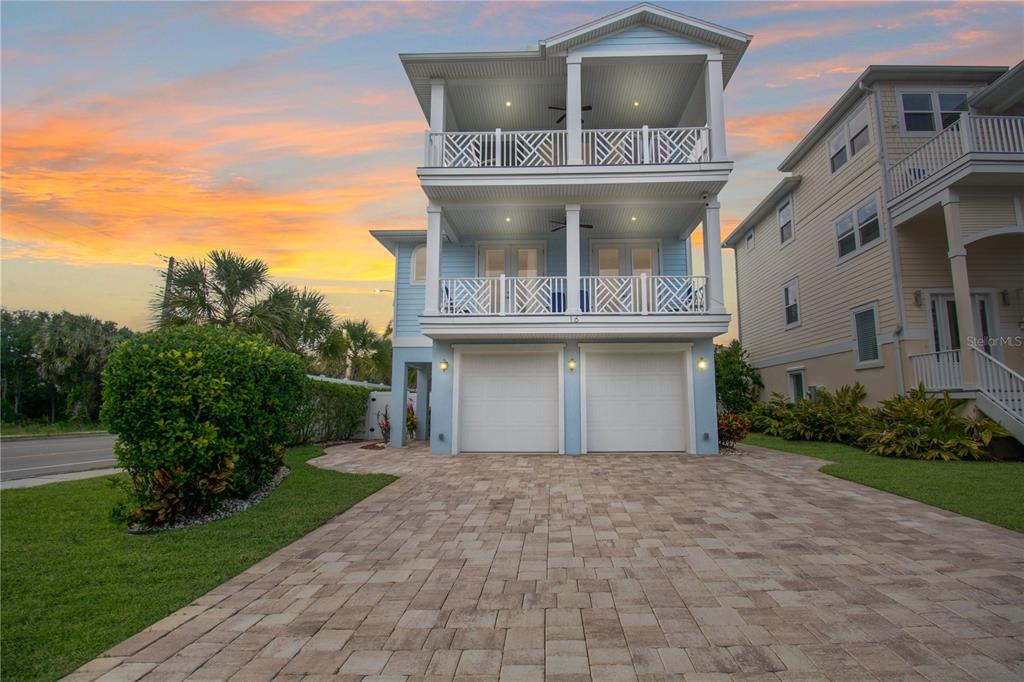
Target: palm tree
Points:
x,y
229,290
361,343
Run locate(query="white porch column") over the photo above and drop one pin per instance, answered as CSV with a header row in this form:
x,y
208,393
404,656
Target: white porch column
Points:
x,y
714,100
437,105
573,110
961,288
712,233
572,258
433,259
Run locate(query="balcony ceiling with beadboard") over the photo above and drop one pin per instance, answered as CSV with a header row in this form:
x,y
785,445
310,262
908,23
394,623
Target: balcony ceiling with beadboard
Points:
x,y
608,220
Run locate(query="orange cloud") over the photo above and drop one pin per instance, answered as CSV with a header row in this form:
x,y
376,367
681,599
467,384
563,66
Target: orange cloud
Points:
x,y
756,132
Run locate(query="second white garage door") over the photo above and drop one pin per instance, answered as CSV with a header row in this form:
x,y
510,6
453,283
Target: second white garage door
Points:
x,y
508,403
636,401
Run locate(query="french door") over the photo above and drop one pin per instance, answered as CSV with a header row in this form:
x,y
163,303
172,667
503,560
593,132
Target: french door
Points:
x,y
618,265
511,260
946,328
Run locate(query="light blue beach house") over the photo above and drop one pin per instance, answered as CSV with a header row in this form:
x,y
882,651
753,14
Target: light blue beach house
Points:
x,y
550,305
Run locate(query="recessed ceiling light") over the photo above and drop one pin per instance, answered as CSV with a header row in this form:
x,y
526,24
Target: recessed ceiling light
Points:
x,y
636,104
508,219
508,104
633,218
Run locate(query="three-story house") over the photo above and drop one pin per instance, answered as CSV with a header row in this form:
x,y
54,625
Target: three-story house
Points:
x,y
892,253
550,305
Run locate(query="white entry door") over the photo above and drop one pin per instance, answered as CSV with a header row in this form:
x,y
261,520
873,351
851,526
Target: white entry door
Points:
x,y
508,403
637,401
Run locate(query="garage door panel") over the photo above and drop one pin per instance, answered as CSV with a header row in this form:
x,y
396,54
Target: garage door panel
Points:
x,y
636,402
508,403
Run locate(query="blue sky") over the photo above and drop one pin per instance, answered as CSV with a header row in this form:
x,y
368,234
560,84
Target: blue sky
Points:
x,y
287,130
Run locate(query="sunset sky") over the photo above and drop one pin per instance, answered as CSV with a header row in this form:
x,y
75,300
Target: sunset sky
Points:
x,y
286,131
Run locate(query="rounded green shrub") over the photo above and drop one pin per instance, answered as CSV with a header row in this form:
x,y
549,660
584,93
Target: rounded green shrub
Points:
x,y
201,414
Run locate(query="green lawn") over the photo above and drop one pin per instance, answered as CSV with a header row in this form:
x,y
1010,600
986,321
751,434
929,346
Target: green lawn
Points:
x,y
45,429
989,491
74,583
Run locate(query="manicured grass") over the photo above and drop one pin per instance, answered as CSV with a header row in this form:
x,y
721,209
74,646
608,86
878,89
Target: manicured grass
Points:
x,y
74,583
45,429
989,491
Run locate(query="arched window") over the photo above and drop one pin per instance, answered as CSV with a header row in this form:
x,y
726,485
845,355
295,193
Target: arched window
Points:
x,y
418,271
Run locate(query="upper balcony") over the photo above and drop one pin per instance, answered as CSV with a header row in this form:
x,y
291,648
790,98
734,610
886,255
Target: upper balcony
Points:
x,y
976,149
629,106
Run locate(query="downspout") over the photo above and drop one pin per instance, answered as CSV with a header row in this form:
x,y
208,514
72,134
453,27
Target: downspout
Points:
x,y
897,279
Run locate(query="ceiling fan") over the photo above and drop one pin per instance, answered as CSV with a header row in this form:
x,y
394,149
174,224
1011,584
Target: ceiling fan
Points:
x,y
562,117
560,225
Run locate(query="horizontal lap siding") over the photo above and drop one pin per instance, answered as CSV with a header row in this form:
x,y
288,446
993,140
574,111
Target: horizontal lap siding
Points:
x,y
828,290
980,212
409,298
923,265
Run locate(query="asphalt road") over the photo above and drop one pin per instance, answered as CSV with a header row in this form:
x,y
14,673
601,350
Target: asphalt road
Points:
x,y
45,456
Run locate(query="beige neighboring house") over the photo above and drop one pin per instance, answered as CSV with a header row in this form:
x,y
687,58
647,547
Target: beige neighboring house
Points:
x,y
895,242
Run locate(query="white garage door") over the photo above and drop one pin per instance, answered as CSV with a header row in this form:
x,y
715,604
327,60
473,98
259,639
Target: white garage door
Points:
x,y
508,403
636,401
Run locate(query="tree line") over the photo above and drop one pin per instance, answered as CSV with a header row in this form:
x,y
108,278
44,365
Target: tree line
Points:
x,y
52,363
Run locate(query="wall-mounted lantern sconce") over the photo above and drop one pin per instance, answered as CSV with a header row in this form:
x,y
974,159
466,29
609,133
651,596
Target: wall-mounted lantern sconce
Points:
x,y
443,365
572,364
702,363
918,297
1005,295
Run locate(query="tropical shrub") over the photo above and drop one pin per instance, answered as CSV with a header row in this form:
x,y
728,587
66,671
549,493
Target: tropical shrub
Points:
x,y
329,412
201,414
737,382
384,422
839,417
770,416
410,420
732,428
922,427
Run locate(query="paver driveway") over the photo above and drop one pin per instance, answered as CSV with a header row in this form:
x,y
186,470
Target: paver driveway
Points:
x,y
615,567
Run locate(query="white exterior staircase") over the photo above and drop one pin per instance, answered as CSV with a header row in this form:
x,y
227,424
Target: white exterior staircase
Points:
x,y
1001,393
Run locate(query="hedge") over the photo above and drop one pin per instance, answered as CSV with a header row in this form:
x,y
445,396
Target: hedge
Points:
x,y
201,414
329,412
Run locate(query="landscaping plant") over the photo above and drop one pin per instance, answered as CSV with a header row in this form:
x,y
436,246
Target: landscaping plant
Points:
x,y
732,428
839,417
770,416
410,420
737,382
329,412
384,422
201,414
922,427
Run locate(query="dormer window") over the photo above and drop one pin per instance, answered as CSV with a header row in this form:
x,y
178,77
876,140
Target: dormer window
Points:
x,y
849,139
923,112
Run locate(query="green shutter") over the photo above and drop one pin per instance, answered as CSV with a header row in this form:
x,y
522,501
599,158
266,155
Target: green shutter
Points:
x,y
867,339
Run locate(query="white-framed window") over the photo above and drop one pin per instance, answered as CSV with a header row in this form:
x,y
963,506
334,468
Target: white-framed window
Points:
x,y
418,265
797,384
791,303
784,211
865,332
850,138
924,112
858,228
749,240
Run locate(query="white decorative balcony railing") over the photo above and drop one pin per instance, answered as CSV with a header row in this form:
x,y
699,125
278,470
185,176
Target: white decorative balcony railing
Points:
x,y
643,295
938,371
635,295
503,295
530,149
972,133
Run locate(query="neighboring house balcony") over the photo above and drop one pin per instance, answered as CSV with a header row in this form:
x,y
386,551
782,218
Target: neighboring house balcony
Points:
x,y
974,151
571,271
